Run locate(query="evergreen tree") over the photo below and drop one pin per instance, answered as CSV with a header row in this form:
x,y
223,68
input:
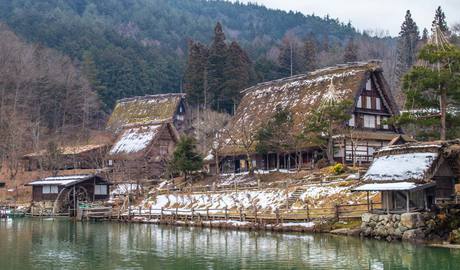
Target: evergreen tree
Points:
x,y
424,38
311,54
195,74
290,59
440,20
351,51
216,66
432,89
326,122
186,158
237,74
407,45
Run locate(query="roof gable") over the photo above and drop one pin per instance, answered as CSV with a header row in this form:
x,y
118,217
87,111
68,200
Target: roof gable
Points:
x,y
144,110
135,140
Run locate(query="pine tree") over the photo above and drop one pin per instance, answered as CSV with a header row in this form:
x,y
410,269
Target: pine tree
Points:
x,y
195,74
432,88
351,51
424,38
186,158
407,45
311,54
440,20
291,59
216,66
237,74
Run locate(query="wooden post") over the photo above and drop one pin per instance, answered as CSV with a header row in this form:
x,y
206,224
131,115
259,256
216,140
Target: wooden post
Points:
x,y
207,213
226,213
337,214
177,213
193,214
255,214
407,202
140,211
241,213
161,214
150,212
308,212
277,215
368,204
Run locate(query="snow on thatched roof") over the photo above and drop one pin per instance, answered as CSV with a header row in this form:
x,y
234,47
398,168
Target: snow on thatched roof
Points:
x,y
411,162
303,94
134,140
69,150
144,110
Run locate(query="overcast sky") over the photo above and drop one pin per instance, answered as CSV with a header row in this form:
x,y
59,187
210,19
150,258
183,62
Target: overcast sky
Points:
x,y
371,14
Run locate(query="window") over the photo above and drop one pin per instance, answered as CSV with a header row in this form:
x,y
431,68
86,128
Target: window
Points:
x,y
359,104
378,105
351,122
163,150
368,103
378,121
50,189
100,189
369,85
385,126
369,121
110,162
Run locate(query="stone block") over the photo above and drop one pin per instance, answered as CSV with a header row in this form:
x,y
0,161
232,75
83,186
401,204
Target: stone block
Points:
x,y
412,220
367,217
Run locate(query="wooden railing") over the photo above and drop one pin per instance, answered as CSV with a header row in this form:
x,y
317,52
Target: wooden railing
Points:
x,y
338,212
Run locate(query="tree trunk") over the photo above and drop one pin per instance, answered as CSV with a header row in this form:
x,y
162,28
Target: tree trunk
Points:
x,y
443,105
251,169
330,151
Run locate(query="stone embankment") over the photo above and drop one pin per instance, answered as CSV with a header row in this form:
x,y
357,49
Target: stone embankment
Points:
x,y
407,226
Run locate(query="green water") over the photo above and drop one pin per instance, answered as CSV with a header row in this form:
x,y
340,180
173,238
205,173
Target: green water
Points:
x,y
46,244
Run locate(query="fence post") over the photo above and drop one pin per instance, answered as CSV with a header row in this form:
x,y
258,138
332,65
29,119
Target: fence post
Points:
x,y
226,213
372,206
140,208
255,214
337,214
193,214
241,213
129,212
150,212
207,213
161,214
308,212
177,213
277,214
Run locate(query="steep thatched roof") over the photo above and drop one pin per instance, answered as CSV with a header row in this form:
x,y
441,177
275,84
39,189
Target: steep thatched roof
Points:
x,y
69,150
144,110
303,94
135,142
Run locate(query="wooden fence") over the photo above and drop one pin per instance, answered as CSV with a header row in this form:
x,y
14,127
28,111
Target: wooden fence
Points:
x,y
338,212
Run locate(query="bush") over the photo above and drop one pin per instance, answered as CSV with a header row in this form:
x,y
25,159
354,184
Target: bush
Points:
x,y
337,168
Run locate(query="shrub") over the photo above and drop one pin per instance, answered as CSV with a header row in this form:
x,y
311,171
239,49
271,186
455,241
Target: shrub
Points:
x,y
337,168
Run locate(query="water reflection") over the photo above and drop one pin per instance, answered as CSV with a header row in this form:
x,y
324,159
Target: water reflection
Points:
x,y
48,244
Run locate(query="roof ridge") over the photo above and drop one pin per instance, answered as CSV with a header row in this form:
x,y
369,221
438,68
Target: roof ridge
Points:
x,y
147,97
316,72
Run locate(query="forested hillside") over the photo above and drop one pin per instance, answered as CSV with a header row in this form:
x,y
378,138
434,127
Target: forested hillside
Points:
x,y
140,47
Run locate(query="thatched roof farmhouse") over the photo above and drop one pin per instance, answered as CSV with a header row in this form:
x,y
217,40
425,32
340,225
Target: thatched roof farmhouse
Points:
x,y
361,82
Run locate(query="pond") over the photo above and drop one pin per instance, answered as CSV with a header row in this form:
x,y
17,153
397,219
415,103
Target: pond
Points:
x,y
61,244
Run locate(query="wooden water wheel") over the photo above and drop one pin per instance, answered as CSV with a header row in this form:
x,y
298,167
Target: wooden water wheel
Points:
x,y
74,196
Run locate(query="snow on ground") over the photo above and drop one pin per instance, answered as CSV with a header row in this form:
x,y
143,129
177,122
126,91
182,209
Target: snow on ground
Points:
x,y
265,200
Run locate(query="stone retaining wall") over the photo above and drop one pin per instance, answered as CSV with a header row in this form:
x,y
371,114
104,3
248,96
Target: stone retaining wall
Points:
x,y
407,226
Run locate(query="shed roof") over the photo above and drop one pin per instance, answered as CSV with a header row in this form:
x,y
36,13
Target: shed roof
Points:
x,y
144,110
412,162
302,94
67,180
399,186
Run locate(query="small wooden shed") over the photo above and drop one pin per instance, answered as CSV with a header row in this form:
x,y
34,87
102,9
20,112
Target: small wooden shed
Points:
x,y
414,176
